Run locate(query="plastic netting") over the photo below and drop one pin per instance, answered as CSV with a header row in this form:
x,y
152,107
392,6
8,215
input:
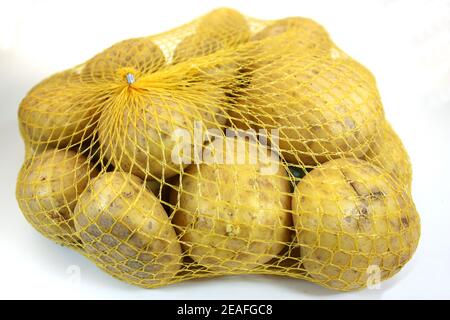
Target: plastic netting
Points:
x,y
230,145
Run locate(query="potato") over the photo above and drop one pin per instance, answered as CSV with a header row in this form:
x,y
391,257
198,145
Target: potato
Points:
x,y
220,29
225,24
284,36
139,55
140,136
220,70
195,46
304,32
47,190
126,230
272,52
323,108
388,153
233,216
59,112
351,220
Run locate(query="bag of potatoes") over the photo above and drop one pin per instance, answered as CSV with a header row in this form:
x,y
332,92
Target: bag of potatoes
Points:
x,y
230,145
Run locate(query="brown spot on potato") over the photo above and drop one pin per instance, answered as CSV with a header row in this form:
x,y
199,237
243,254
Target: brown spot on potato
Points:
x,y
405,221
127,194
363,211
377,195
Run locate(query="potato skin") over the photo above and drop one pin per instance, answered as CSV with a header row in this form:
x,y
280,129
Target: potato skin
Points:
x,y
305,32
126,231
293,34
138,138
220,29
47,190
269,59
388,153
195,46
221,70
58,112
324,109
231,217
349,216
141,55
225,24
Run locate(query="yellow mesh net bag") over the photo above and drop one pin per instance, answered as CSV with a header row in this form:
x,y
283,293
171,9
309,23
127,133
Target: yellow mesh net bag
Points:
x,y
229,145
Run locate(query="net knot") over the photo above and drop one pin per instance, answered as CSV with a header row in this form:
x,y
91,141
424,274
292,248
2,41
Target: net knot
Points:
x,y
129,75
130,78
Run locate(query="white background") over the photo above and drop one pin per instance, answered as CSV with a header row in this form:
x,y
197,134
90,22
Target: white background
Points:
x,y
405,43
